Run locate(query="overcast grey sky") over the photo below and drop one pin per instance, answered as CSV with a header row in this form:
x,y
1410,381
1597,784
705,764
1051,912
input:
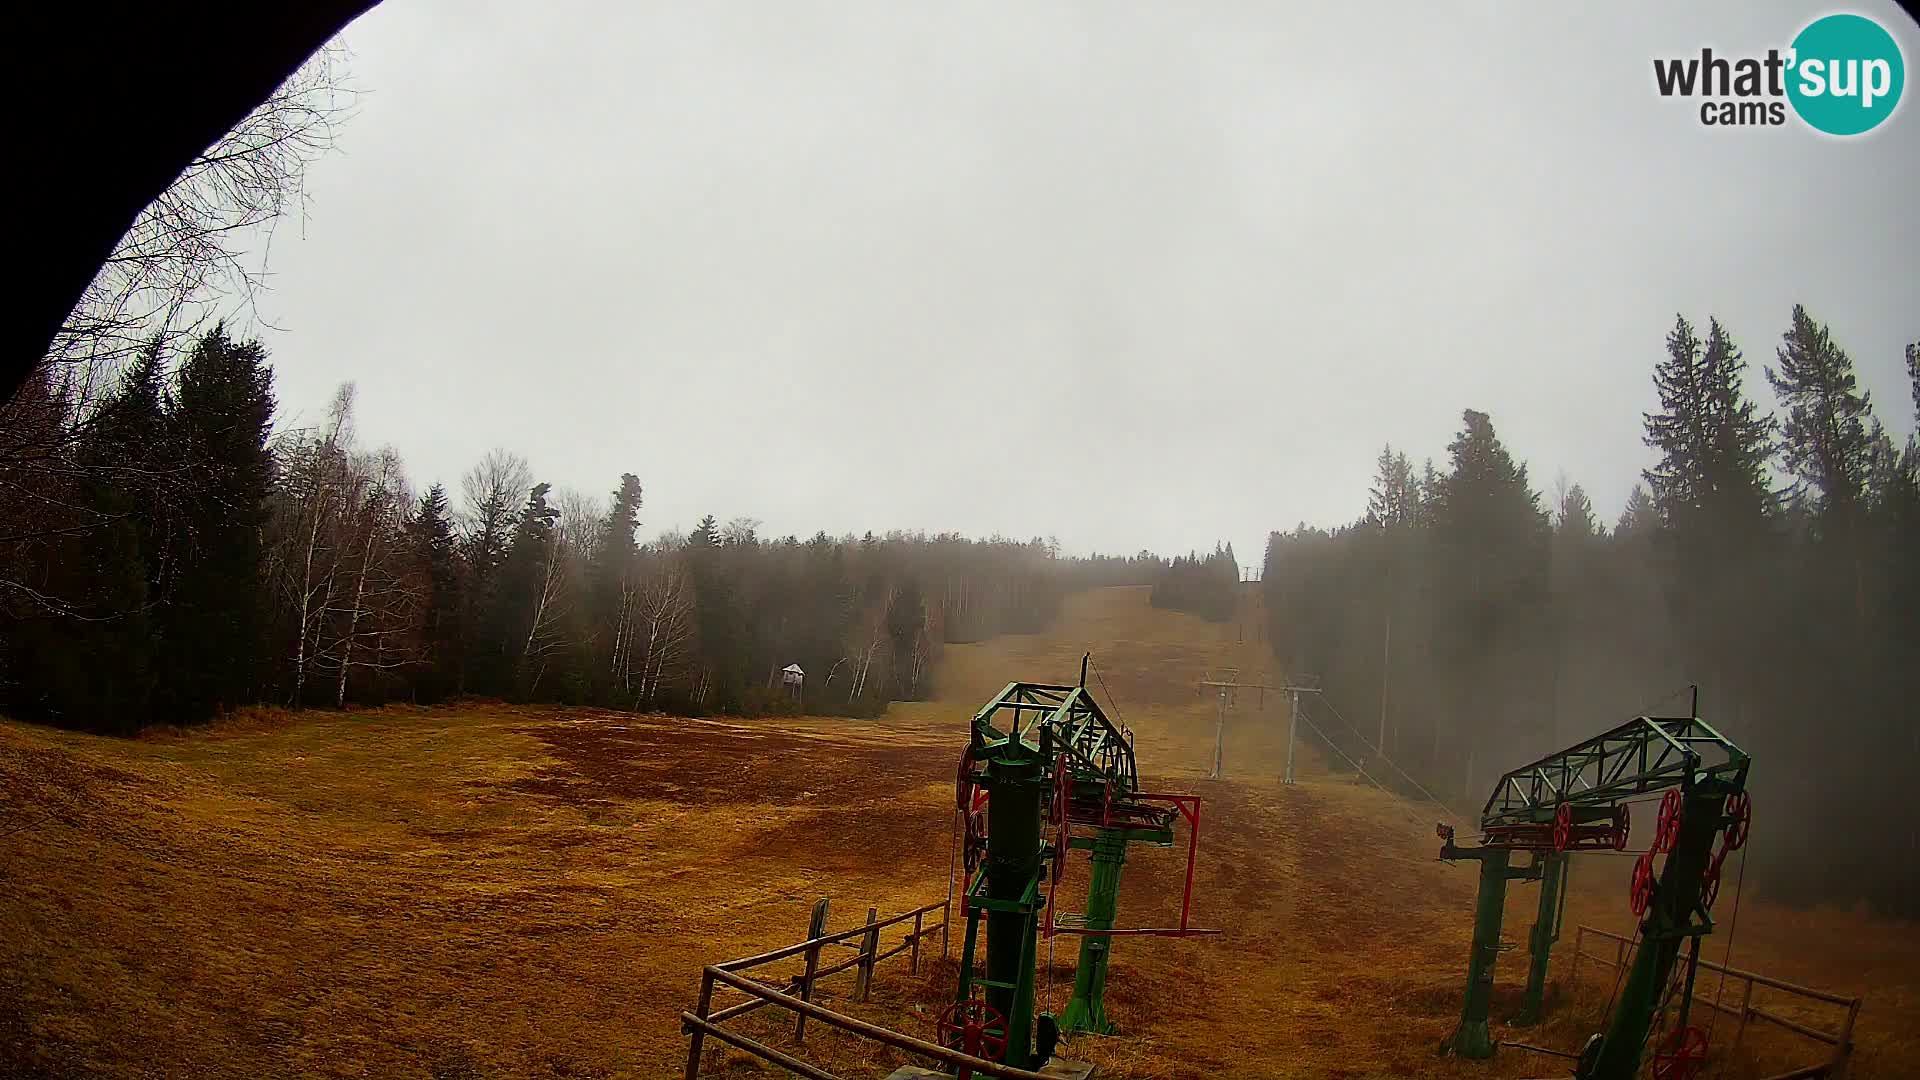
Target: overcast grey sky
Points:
x,y
1135,275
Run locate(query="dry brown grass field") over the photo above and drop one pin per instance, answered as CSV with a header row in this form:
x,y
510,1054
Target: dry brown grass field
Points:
x,y
489,891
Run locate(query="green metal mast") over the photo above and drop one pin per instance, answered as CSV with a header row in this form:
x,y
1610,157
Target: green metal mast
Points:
x,y
1551,868
1008,891
1472,1039
1059,762
1674,915
1087,1009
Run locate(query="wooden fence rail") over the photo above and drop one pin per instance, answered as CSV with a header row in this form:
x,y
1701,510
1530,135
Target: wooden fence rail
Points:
x,y
797,994
1841,1040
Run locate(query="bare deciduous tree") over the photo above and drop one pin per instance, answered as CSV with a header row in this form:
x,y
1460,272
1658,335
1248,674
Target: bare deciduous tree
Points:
x,y
664,629
204,241
304,556
201,245
493,490
382,609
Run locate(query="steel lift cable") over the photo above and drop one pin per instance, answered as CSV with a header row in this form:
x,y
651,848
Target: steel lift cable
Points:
x,y
1112,699
1620,972
1399,800
1733,927
1431,797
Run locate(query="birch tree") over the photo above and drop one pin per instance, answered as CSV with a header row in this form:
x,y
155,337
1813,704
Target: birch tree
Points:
x,y
308,523
377,615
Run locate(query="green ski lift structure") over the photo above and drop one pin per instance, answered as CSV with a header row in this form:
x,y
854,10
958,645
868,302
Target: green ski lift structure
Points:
x,y
1577,800
1046,773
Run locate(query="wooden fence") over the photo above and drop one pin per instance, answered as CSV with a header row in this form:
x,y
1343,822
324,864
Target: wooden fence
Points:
x,y
1841,1039
797,995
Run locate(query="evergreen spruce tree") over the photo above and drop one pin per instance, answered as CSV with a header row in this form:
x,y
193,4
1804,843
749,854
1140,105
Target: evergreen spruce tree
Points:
x,y
1641,517
717,626
1396,491
622,521
89,664
1825,440
1713,443
1913,437
1574,518
707,533
216,621
610,582
1711,489
437,549
1485,501
525,592
1424,492
1491,539
1827,444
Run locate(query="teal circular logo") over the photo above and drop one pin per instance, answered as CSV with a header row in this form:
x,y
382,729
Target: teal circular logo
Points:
x,y
1846,74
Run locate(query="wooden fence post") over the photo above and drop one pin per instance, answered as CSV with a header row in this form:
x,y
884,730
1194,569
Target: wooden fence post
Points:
x,y
913,957
869,948
946,924
1844,1049
699,1035
816,927
1746,1010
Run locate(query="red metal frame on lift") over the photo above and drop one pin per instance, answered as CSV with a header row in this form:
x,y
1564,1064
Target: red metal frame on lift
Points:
x,y
1189,808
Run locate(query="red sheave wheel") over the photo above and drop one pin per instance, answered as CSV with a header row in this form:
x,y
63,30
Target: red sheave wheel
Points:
x,y
963,783
974,850
1641,894
1739,820
1668,831
973,1027
1681,1055
1563,827
1622,826
1710,883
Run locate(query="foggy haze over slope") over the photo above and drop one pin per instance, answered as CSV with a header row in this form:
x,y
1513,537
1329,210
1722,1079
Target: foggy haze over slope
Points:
x,y
1133,278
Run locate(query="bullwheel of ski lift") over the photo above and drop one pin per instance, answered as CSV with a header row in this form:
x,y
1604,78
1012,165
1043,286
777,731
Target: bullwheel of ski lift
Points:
x,y
1563,826
973,1027
1672,806
1739,819
1681,1055
1640,894
1622,826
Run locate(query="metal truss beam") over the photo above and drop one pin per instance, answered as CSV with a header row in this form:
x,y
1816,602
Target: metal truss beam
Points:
x,y
1646,754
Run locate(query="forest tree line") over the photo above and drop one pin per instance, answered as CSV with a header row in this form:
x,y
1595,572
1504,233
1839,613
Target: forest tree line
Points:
x,y
1770,556
165,556
1206,586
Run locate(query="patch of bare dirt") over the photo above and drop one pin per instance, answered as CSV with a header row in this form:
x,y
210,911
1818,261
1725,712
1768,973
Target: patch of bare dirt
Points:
x,y
701,764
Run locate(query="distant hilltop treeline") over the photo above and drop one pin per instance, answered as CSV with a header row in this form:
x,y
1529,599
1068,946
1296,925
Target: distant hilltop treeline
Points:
x,y
1203,585
1771,557
165,557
